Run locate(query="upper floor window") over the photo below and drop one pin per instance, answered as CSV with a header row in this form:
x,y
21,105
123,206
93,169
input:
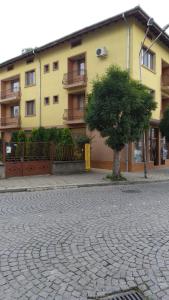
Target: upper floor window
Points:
x,y
46,101
30,60
10,67
55,99
30,78
76,42
46,68
148,59
55,65
30,108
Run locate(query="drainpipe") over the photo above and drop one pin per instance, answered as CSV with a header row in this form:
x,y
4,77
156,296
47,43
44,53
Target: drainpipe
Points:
x,y
128,43
40,88
128,69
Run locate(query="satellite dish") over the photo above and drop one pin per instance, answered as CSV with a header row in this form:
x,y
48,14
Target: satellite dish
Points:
x,y
150,22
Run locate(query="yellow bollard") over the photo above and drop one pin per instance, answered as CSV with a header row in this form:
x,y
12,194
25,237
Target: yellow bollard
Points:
x,y
87,157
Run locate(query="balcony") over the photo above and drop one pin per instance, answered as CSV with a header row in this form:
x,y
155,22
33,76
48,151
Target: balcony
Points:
x,y
7,123
165,85
74,116
8,96
74,79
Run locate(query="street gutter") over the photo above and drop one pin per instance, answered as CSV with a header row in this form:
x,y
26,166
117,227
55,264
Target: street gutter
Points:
x,y
73,186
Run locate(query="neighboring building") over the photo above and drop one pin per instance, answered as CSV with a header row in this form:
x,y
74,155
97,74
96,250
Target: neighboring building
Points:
x,y
48,86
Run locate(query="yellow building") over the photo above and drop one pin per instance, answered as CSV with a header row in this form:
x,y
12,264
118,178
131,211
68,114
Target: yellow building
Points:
x,y
48,86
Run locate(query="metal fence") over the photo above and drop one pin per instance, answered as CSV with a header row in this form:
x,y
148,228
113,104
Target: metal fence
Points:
x,y
35,151
28,151
1,150
66,153
9,93
75,77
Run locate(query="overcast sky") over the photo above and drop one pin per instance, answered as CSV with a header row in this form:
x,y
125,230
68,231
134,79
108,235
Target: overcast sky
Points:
x,y
32,23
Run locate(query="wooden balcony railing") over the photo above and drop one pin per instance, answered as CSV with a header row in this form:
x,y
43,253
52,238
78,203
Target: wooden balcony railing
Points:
x,y
74,114
74,78
10,122
165,80
10,94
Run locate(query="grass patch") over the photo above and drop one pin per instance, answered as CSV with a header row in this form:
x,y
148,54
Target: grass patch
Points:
x,y
112,177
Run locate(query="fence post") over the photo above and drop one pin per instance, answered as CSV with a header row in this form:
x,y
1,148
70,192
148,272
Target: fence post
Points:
x,y
23,151
87,157
3,151
51,145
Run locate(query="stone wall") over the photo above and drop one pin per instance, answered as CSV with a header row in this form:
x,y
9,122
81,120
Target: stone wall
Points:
x,y
68,167
2,170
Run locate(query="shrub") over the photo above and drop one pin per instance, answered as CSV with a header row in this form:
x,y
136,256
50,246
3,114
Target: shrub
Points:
x,y
39,135
66,137
19,136
81,140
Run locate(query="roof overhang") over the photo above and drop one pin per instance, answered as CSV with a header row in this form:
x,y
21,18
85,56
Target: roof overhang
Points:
x,y
137,12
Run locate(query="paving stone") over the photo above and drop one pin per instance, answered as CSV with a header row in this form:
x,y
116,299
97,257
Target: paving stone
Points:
x,y
104,240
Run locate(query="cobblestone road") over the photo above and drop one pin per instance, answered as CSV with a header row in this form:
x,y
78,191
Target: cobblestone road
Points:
x,y
63,244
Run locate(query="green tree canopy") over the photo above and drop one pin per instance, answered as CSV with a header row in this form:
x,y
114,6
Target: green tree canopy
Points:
x,y
120,109
61,136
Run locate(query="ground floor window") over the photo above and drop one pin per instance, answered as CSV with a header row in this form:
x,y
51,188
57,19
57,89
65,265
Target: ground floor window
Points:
x,y
157,149
164,153
167,147
153,141
138,151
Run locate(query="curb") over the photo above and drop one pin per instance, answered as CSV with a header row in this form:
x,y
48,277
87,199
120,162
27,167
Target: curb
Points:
x,y
71,186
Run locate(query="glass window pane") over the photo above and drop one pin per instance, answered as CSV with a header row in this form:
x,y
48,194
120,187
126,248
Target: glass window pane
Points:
x,y
30,78
15,86
80,104
14,111
30,108
138,152
148,59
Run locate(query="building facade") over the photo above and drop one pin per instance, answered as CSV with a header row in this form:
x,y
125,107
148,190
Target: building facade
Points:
x,y
48,86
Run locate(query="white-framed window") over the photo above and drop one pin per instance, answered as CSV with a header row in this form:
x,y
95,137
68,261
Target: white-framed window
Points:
x,y
148,59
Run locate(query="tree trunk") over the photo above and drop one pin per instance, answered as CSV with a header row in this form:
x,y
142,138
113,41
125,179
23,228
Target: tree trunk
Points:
x,y
116,164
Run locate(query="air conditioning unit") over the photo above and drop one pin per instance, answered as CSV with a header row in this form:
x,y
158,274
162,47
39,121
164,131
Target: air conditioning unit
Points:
x,y
100,52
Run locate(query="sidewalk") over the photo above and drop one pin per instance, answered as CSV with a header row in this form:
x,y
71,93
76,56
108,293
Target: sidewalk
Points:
x,y
96,177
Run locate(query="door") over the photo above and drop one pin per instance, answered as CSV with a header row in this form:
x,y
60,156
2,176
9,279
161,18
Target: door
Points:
x,y
14,86
81,67
80,106
15,111
163,150
154,145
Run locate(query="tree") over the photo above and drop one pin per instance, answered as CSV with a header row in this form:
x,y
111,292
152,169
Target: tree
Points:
x,y
120,109
164,124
